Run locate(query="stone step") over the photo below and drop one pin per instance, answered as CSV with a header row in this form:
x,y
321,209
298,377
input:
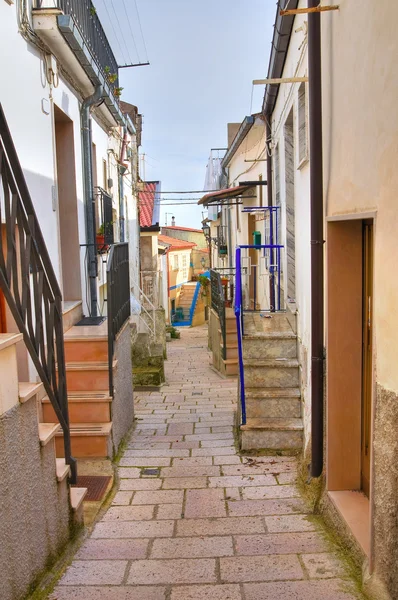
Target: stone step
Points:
x,y
47,431
77,496
273,403
62,469
148,376
84,407
278,345
87,376
88,440
231,366
271,373
272,434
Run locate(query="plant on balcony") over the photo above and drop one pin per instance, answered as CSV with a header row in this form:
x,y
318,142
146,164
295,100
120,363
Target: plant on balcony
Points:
x,y
112,77
118,91
100,237
93,11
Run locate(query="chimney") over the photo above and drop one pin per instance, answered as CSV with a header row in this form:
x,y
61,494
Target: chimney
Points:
x,y
173,221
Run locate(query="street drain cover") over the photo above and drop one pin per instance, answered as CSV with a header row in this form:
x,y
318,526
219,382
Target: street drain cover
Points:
x,y
150,472
96,486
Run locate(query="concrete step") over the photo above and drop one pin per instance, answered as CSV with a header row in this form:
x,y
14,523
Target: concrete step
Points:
x,y
84,407
86,350
275,345
272,434
273,403
271,373
88,440
88,376
47,431
62,469
26,391
148,376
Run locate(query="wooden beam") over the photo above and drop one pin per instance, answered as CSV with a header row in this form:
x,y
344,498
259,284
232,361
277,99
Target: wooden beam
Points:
x,y
279,80
305,11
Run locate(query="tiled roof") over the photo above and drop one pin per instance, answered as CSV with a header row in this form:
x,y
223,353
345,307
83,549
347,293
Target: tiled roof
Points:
x,y
149,204
175,244
183,228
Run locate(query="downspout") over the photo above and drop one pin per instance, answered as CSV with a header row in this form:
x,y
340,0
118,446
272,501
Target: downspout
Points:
x,y
89,201
316,202
122,171
268,134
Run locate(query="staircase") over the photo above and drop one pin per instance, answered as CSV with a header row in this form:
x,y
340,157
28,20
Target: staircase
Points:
x,y
229,348
272,384
90,404
190,310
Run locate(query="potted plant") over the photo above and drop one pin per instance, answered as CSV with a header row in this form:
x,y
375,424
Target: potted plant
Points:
x,y
100,237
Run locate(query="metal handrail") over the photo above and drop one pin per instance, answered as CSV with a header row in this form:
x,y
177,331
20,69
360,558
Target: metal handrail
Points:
x,y
218,304
194,302
118,298
239,329
29,284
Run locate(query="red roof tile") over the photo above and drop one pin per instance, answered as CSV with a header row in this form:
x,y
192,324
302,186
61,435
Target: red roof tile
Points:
x,y
183,228
147,205
174,243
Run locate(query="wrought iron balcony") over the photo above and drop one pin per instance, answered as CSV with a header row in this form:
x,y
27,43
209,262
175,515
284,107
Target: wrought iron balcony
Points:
x,y
85,18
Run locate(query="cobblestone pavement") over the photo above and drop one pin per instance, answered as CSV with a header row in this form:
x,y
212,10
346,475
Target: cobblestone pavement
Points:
x,y
192,519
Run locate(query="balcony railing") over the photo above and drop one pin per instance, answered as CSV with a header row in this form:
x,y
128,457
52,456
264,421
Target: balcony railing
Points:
x,y
85,17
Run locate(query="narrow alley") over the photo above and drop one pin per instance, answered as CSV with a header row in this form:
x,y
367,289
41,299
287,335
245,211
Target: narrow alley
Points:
x,y
192,518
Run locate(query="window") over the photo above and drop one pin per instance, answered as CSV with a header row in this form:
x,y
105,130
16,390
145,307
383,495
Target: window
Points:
x,y
184,267
175,262
302,125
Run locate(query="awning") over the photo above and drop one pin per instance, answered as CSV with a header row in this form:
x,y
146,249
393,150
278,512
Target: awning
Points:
x,y
224,194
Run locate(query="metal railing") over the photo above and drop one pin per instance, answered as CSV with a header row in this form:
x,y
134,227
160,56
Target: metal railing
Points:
x,y
218,305
29,284
85,16
238,309
194,303
148,309
118,298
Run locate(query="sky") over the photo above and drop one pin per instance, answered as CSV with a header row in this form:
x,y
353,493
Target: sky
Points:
x,y
203,57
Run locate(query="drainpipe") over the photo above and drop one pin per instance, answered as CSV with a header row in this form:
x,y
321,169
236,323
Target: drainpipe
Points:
x,y
122,171
268,134
316,202
89,201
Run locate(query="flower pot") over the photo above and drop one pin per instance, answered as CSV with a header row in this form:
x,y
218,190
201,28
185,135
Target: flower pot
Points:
x,y
100,241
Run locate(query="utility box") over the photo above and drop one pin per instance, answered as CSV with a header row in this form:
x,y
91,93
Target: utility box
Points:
x,y
256,238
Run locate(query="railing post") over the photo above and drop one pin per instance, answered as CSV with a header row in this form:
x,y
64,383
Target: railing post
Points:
x,y
239,321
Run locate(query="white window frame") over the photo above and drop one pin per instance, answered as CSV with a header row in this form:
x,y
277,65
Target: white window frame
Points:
x,y
302,156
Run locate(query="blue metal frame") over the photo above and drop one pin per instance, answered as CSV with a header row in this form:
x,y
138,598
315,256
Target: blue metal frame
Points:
x,y
191,310
239,328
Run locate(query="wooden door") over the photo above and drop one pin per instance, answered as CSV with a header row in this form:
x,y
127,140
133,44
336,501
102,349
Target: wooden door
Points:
x,y
3,328
367,362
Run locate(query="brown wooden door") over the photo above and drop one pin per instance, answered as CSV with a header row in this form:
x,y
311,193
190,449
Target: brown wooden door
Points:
x,y
367,361
3,328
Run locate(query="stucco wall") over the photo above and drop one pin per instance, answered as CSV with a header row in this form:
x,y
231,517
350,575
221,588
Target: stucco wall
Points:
x,y
34,508
122,404
196,237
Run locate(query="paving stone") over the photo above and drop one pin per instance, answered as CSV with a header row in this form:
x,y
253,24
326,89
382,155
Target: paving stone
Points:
x,y
113,549
173,571
205,503
158,497
180,428
185,445
206,592
267,492
332,589
289,523
95,572
130,473
148,461
128,513
286,478
247,508
122,498
242,481
213,451
225,526
156,453
217,443
209,437
140,484
232,493
280,543
193,462
194,547
170,511
204,471
179,483
260,568
109,593
261,469
323,566
133,529
227,460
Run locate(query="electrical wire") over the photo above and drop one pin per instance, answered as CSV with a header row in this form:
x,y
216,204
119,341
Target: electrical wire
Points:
x,y
140,26
121,30
114,31
131,30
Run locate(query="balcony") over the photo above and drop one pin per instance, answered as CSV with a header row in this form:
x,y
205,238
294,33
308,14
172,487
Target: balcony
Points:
x,y
73,32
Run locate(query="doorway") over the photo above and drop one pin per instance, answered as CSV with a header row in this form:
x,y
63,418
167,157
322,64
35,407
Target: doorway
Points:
x,y
367,350
67,206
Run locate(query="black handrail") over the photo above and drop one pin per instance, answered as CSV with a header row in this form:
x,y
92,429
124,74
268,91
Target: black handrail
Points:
x,y
118,298
85,16
218,304
29,284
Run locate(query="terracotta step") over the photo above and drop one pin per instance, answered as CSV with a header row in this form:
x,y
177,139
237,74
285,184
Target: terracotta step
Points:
x,y
88,376
47,431
231,366
272,434
86,349
84,407
88,440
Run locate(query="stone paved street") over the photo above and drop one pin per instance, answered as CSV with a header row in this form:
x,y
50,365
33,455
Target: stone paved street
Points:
x,y
192,519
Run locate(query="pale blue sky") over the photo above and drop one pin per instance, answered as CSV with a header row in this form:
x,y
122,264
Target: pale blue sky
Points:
x,y
204,55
